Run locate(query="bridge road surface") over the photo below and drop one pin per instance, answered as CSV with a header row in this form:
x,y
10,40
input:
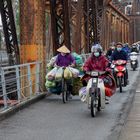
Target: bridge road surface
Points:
x,y
50,119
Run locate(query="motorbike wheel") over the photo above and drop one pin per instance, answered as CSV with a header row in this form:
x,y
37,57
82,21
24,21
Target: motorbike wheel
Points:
x,y
64,91
93,106
120,84
134,68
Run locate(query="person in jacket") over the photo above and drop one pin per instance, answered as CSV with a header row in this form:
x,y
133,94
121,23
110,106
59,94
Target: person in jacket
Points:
x,y
64,58
126,48
120,54
110,52
98,62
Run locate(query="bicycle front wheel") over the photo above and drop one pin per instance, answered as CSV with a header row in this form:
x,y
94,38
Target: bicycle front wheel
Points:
x,y
64,91
93,106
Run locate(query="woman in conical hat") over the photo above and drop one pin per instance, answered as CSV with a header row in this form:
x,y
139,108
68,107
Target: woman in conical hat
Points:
x,y
64,57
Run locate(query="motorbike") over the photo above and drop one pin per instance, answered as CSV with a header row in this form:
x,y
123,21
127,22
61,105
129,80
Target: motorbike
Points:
x,y
134,60
97,86
95,92
120,73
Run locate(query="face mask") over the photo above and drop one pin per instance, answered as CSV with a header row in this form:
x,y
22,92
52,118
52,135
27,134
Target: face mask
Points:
x,y
96,54
119,49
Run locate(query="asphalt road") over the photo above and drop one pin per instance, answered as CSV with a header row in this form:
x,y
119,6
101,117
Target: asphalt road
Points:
x,y
50,119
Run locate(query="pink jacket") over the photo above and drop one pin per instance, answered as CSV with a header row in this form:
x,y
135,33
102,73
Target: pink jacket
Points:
x,y
96,63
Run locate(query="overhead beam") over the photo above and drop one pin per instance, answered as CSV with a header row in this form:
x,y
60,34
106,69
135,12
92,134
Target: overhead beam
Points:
x,y
60,23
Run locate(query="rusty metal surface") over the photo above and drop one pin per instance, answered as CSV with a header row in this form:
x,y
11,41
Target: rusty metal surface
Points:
x,y
135,20
32,34
60,23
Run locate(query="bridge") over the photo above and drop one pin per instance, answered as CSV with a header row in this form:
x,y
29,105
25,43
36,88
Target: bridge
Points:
x,y
44,26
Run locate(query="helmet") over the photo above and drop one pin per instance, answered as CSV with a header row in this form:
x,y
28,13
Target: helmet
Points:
x,y
96,48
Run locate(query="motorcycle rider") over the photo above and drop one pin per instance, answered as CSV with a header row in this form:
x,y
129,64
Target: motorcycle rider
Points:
x,y
120,54
110,51
98,62
134,48
134,51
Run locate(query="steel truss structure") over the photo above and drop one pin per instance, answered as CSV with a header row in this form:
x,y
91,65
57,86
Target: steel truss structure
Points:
x,y
60,23
76,23
86,22
9,31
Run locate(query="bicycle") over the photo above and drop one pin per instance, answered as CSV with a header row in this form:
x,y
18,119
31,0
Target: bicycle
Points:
x,y
65,88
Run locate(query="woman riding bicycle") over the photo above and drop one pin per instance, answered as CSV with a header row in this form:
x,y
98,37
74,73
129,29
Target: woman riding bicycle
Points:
x,y
65,59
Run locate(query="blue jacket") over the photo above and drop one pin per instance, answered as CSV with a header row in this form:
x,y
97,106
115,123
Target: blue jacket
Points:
x,y
126,49
119,55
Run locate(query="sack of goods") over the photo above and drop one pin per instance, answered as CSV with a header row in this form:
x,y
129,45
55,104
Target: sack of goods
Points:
x,y
51,63
50,84
82,94
78,59
59,74
51,75
67,73
77,84
74,72
56,90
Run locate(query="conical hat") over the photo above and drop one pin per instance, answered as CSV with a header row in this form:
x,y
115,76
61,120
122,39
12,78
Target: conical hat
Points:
x,y
63,49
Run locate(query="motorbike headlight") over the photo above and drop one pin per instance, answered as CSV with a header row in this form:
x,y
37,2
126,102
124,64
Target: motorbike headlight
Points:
x,y
94,80
133,62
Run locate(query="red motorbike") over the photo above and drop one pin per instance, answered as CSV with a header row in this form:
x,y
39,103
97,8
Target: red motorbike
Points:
x,y
120,73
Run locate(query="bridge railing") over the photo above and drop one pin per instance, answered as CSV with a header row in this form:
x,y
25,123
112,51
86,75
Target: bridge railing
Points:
x,y
18,84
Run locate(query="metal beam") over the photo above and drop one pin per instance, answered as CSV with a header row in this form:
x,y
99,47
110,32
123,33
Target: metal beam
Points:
x,y
60,23
9,31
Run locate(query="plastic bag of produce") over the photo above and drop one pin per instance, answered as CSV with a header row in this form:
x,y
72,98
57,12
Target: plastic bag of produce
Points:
x,y
74,71
82,94
51,75
50,84
52,62
67,73
55,90
59,73
78,58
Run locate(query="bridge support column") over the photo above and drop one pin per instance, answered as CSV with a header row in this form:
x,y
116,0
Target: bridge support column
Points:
x,y
32,36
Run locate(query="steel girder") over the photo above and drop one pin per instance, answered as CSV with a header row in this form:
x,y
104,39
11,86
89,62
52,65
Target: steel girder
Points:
x,y
60,23
90,15
76,25
83,22
9,31
70,18
101,7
